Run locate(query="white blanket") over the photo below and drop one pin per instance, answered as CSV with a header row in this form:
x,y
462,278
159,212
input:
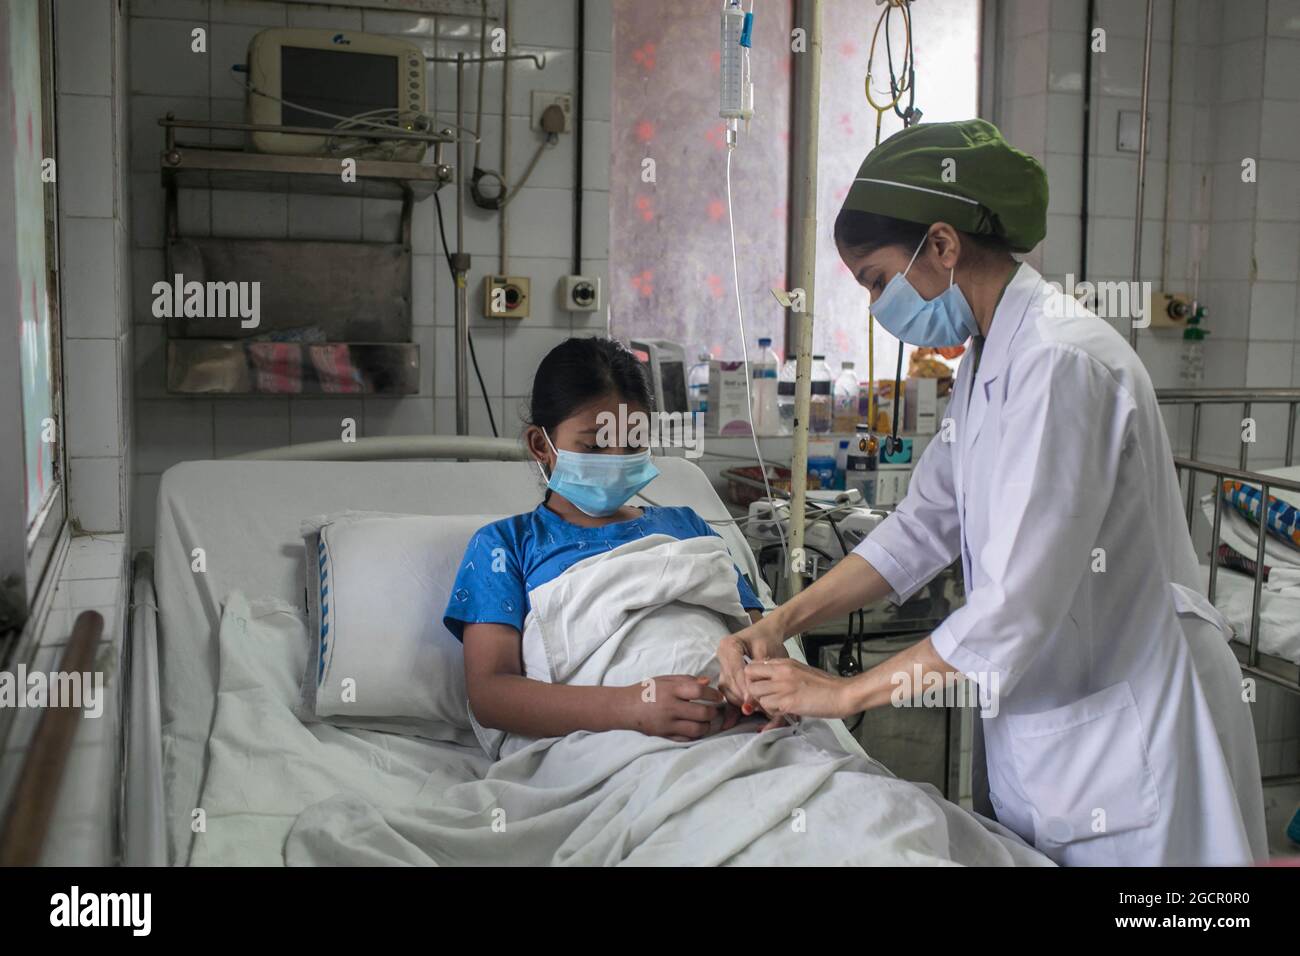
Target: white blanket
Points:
x,y
655,606
265,766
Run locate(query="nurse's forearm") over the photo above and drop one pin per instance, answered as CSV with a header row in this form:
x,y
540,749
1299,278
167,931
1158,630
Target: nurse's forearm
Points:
x,y
896,678
850,585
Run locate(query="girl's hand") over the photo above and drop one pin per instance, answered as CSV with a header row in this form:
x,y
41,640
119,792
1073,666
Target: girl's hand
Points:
x,y
783,686
661,707
760,641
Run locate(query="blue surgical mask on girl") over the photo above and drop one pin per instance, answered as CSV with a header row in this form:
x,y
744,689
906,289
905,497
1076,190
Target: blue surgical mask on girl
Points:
x,y
598,485
946,319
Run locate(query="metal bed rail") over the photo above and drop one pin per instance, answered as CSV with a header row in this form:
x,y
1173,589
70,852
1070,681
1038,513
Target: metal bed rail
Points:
x,y
1247,399
397,448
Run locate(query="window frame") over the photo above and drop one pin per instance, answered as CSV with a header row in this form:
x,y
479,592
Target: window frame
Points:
x,y
25,570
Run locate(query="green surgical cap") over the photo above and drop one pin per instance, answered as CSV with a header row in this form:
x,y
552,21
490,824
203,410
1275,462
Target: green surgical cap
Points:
x,y
964,174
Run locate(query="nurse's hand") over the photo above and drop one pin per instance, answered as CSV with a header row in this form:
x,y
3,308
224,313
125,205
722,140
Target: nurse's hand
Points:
x,y
786,686
760,641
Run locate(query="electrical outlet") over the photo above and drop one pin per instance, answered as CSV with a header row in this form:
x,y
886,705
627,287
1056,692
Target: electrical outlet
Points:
x,y
505,297
580,293
543,99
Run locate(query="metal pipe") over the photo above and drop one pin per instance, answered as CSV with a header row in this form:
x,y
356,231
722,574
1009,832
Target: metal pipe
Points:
x,y
357,132
1290,434
1191,475
1259,574
1142,164
1226,396
503,235
1086,175
1242,456
1250,477
1214,535
539,61
805,132
35,794
462,300
396,448
579,100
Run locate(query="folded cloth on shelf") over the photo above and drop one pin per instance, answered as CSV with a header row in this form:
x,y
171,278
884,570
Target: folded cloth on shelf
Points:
x,y
277,367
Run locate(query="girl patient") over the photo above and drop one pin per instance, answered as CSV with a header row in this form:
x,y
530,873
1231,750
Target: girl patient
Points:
x,y
584,513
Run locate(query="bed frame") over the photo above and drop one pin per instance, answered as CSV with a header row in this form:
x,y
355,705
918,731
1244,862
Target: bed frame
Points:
x,y
141,807
143,838
1277,670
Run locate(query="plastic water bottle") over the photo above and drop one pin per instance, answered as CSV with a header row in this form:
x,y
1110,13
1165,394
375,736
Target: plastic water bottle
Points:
x,y
820,414
763,387
698,384
845,395
785,396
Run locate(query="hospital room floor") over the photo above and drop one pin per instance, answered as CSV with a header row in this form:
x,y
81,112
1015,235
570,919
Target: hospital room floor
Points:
x,y
1280,803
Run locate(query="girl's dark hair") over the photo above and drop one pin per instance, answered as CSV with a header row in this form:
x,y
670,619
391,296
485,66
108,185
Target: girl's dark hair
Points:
x,y
865,232
578,371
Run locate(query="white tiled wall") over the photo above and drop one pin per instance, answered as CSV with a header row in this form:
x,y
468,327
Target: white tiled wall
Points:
x,y
95,266
1234,95
166,76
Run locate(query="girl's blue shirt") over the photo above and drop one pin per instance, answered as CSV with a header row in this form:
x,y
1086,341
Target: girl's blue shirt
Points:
x,y
508,558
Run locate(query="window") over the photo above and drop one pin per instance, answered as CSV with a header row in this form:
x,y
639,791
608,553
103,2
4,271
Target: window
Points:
x,y
33,469
670,257
946,38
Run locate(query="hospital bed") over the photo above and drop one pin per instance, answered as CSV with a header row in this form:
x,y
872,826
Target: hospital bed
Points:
x,y
238,519
1266,621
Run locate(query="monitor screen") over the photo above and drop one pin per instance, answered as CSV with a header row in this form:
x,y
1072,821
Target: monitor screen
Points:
x,y
334,81
674,385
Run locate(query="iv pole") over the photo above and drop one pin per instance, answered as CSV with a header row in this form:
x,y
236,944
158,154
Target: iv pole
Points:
x,y
804,267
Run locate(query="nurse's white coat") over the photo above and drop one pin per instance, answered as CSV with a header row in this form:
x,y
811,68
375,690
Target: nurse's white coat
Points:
x,y
1121,736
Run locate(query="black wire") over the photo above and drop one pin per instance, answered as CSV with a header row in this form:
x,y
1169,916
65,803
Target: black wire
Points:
x,y
894,443
446,251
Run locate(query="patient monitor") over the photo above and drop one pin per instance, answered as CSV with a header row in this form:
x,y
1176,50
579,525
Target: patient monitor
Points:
x,y
335,81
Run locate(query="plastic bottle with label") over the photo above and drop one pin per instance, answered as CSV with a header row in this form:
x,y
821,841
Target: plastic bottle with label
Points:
x,y
785,396
821,417
698,384
763,386
845,404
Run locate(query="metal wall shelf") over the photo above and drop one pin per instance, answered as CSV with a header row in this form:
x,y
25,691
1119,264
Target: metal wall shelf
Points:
x,y
198,166
354,296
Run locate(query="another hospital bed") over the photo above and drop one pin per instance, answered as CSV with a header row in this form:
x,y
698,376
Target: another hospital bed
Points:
x,y
239,521
1267,622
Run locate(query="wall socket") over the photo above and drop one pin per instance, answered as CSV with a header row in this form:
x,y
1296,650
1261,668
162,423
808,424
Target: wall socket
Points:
x,y
580,293
505,297
543,99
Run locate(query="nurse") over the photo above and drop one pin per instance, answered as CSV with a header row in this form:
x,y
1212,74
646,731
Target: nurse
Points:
x,y
1114,729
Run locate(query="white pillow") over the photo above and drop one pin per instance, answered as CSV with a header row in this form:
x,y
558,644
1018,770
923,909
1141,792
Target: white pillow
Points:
x,y
377,586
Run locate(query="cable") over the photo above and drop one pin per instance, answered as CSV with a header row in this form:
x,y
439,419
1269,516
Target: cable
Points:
x,y
446,249
430,114
744,346
508,195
